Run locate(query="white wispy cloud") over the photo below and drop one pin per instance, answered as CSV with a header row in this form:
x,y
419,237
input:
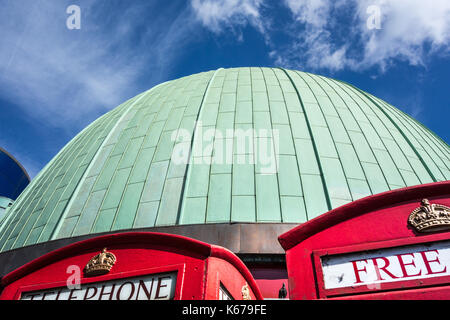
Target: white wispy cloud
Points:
x,y
314,13
52,72
220,15
313,41
62,76
411,30
333,35
64,79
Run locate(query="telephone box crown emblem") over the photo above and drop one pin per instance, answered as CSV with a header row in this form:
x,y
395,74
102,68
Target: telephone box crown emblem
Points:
x,y
246,293
430,217
100,264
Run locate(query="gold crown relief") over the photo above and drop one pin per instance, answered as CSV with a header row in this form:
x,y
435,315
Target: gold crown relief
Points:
x,y
430,217
100,264
245,291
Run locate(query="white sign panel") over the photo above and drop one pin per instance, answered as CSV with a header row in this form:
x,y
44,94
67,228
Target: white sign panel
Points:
x,y
148,287
374,267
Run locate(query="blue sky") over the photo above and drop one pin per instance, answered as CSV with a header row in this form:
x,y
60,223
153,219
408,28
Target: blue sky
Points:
x,y
55,81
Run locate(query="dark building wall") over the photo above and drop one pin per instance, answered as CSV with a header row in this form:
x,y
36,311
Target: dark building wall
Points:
x,y
13,177
256,244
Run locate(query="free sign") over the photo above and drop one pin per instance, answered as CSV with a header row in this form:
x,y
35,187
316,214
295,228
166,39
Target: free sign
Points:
x,y
386,265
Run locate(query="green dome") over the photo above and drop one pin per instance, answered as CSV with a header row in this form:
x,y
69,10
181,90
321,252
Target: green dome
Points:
x,y
334,144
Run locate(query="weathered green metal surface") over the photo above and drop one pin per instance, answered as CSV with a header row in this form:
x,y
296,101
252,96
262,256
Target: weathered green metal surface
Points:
x,y
5,203
335,144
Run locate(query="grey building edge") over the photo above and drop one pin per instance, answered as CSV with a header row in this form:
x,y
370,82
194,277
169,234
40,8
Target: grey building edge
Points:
x,y
254,243
17,162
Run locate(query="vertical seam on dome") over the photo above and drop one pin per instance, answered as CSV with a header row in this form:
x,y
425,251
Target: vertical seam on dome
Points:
x,y
295,150
274,150
353,147
127,183
328,127
413,124
253,144
212,153
171,88
34,181
253,154
414,132
377,163
77,190
413,147
439,140
68,159
381,140
232,150
187,173
84,205
15,226
415,137
398,128
82,141
441,145
149,102
393,139
316,152
113,120
436,141
22,222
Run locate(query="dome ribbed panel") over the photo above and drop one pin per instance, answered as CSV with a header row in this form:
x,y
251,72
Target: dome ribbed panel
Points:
x,y
39,207
333,144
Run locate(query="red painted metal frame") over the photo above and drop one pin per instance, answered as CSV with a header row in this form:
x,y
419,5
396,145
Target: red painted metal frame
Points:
x,y
187,256
360,207
227,255
221,271
378,221
326,293
427,293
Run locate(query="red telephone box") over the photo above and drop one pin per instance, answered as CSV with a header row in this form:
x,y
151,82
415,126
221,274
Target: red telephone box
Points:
x,y
394,245
133,266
